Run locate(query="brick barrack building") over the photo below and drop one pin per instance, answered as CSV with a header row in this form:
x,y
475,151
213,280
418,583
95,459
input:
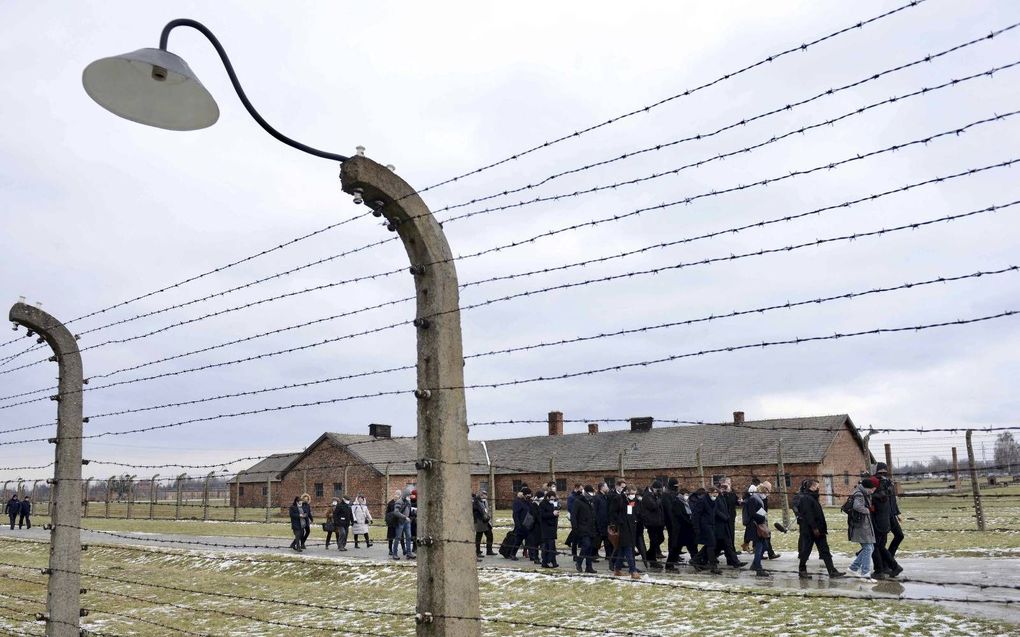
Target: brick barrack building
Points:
x,y
827,448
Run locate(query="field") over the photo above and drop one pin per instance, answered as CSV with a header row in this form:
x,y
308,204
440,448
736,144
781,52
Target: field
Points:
x,y
160,591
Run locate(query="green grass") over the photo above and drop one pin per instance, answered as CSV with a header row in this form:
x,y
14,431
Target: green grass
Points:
x,y
288,587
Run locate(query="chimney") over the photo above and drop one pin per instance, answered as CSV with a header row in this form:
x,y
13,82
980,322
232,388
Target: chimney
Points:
x,y
379,431
641,424
593,428
738,417
555,423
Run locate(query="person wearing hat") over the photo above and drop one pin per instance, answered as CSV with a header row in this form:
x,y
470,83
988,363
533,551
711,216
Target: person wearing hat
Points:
x,y
860,527
886,511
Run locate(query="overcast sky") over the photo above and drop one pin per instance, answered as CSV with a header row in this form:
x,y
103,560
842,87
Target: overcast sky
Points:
x,y
97,210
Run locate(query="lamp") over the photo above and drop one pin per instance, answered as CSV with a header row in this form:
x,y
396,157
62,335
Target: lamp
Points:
x,y
157,88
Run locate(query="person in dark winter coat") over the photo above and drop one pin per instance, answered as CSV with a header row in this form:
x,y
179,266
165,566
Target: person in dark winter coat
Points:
x,y
650,514
882,473
401,517
519,511
732,502
391,524
13,509
702,525
624,519
548,522
813,530
713,532
601,506
682,533
329,524
534,538
306,506
571,540
884,500
297,523
342,517
583,520
483,523
26,512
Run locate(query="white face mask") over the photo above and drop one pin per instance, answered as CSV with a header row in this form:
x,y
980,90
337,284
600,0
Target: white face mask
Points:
x,y
712,497
684,496
630,496
335,503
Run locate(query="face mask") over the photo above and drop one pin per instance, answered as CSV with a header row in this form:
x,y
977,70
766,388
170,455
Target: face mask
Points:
x,y
630,496
335,503
685,496
712,497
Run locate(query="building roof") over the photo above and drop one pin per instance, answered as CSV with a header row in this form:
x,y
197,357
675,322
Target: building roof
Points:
x,y
269,468
805,440
395,454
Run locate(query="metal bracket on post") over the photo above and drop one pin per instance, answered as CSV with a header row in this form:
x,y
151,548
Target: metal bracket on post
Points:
x,y
63,600
447,575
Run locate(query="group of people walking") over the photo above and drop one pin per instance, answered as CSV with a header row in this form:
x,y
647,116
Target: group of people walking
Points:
x,y
20,511
873,514
342,518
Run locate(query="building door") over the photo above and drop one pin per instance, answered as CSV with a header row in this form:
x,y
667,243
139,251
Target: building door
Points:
x,y
829,495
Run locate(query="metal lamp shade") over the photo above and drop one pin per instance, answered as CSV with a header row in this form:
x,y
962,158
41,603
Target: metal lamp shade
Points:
x,y
152,87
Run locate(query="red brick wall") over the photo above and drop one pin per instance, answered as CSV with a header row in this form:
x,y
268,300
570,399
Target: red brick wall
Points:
x,y
253,494
845,458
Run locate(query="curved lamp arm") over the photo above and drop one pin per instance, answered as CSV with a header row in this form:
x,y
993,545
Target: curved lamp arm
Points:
x,y
201,28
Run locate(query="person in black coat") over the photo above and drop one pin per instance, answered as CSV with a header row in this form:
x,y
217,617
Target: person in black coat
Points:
x,y
306,506
548,522
703,511
624,519
883,500
519,511
342,517
651,517
26,512
732,502
13,509
601,506
813,530
585,533
683,525
724,532
297,524
534,539
482,523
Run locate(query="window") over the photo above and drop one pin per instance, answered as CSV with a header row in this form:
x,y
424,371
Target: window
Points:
x,y
518,485
561,485
788,479
716,477
846,477
663,480
483,486
319,492
240,491
265,490
338,489
611,481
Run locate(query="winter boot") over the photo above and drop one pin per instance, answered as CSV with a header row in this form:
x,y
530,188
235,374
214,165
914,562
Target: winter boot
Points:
x,y
802,570
833,573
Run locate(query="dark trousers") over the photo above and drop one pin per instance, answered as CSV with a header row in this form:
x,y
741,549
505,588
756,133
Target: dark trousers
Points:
x,y
655,539
305,533
709,553
675,545
808,541
14,518
341,536
368,542
488,541
25,519
623,555
329,536
517,540
585,550
298,532
897,533
548,551
602,541
640,549
882,558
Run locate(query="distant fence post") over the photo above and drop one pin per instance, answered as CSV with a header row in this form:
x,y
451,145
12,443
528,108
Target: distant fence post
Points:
x,y
205,496
492,487
621,464
237,493
131,496
552,469
21,488
974,486
888,460
866,443
781,479
153,495
109,492
956,470
269,496
63,591
701,467
85,497
180,486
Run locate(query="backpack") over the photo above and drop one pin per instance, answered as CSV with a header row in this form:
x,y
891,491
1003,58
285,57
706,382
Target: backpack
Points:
x,y
848,506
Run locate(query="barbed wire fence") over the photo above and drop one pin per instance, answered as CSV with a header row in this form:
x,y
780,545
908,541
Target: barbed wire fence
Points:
x,y
182,497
